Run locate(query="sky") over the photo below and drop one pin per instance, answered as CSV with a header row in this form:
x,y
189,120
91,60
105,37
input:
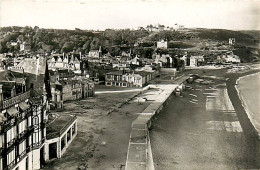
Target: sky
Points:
x,y
119,14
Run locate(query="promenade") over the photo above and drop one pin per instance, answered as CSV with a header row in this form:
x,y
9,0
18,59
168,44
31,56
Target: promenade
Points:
x,y
139,154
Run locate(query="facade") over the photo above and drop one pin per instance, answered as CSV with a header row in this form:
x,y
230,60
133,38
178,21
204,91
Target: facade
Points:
x,y
231,59
24,144
123,79
94,54
231,41
162,44
22,128
24,46
121,65
66,86
61,61
195,61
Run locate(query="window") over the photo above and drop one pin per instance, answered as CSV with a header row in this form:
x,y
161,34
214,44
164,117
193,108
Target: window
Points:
x,y
11,134
27,163
29,121
22,147
68,135
1,141
35,120
62,142
73,128
37,136
10,157
22,126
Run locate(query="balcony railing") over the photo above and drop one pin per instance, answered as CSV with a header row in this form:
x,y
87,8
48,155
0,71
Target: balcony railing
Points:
x,y
38,144
16,99
20,137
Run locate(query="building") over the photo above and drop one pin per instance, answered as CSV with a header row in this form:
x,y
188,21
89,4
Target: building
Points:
x,y
22,127
24,46
62,61
162,44
231,41
23,120
128,79
231,58
66,86
121,65
95,53
60,133
34,65
195,61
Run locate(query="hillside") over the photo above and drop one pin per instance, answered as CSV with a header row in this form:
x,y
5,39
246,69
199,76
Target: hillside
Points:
x,y
141,42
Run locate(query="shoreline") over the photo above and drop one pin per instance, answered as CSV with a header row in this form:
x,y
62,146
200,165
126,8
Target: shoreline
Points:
x,y
235,98
244,105
250,133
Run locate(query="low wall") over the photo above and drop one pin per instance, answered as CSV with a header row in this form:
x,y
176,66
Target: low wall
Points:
x,y
139,154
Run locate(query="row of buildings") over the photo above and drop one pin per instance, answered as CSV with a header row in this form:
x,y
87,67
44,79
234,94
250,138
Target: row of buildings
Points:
x,y
27,138
65,86
137,78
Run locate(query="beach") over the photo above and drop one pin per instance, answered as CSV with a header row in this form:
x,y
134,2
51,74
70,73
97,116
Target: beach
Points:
x,y
249,92
207,128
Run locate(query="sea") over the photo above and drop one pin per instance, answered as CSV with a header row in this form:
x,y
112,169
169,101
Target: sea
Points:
x,y
249,93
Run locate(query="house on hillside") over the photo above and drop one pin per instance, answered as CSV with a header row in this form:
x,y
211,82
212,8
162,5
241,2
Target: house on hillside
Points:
x,y
196,61
231,41
162,44
24,46
231,58
60,61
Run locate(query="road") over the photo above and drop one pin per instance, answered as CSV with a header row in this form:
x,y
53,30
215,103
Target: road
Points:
x,y
201,130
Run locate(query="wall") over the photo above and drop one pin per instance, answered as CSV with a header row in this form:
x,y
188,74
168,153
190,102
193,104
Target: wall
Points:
x,y
139,143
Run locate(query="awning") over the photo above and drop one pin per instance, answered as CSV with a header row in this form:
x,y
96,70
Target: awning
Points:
x,y
12,111
24,106
2,118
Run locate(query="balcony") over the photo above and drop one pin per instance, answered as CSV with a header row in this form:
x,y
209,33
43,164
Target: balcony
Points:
x,y
16,99
22,136
37,145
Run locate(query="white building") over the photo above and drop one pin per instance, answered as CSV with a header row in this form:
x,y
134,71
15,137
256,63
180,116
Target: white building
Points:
x,y
162,44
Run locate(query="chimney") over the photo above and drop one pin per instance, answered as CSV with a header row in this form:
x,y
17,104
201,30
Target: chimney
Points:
x,y
1,96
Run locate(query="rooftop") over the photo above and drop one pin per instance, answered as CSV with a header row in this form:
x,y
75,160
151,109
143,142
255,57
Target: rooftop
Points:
x,y
59,125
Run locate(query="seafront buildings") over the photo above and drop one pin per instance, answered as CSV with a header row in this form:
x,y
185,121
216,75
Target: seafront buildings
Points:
x,y
27,138
128,79
23,127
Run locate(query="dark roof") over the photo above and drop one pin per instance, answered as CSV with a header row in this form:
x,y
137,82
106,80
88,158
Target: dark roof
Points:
x,y
116,72
63,71
59,125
